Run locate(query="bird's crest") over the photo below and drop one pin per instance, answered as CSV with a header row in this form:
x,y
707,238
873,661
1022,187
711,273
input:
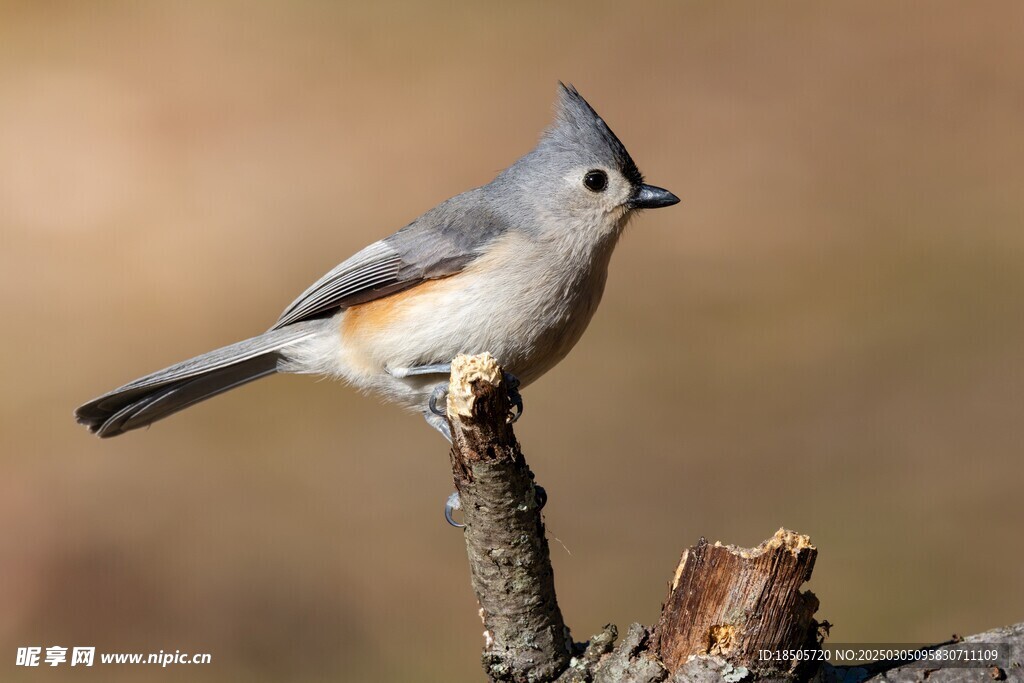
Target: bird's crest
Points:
x,y
577,126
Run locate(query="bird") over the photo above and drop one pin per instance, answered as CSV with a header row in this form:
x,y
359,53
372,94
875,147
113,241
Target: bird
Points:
x,y
515,268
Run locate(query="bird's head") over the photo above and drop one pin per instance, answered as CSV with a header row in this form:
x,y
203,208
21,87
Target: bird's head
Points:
x,y
581,173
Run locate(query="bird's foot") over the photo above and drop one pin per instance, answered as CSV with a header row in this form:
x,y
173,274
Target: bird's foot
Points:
x,y
438,397
450,506
440,423
455,503
542,496
437,417
438,401
514,397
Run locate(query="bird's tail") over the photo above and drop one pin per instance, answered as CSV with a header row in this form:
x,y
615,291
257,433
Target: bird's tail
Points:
x,y
163,393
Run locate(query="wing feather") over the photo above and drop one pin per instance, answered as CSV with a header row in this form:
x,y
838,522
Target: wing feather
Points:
x,y
440,243
377,267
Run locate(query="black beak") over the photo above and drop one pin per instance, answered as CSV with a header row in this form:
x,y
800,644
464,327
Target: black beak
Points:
x,y
651,197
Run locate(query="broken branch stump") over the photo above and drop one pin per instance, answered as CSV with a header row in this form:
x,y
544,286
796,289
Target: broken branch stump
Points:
x,y
525,638
735,602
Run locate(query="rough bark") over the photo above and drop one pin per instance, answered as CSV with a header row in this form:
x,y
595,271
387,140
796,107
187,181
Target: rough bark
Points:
x,y
525,638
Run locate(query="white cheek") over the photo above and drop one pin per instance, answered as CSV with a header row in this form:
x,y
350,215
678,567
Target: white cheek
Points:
x,y
617,195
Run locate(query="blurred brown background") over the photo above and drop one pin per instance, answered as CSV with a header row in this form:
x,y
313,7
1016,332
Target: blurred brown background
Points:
x,y
826,334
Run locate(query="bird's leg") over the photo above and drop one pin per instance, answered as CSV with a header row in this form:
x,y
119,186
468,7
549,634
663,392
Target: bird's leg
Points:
x,y
435,369
511,383
435,418
436,414
438,395
439,423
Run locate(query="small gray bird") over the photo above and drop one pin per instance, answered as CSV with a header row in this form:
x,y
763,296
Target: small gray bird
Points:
x,y
515,268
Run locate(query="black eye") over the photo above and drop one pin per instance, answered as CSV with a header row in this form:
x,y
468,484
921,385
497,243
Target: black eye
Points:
x,y
596,181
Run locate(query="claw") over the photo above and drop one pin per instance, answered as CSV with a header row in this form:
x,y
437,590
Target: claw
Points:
x,y
512,383
440,393
541,495
451,505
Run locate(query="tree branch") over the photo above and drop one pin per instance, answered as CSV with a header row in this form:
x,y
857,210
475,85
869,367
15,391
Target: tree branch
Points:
x,y
725,604
525,638
736,602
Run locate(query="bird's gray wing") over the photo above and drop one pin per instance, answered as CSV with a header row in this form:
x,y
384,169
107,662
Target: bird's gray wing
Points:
x,y
375,271
440,243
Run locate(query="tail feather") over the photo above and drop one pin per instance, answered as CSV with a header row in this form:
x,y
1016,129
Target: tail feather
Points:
x,y
163,393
